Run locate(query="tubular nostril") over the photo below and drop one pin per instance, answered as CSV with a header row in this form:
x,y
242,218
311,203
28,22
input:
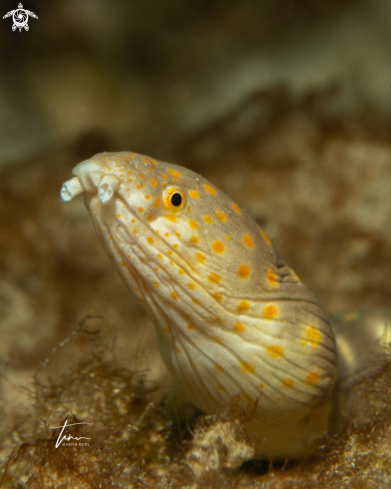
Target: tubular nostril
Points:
x,y
70,189
107,188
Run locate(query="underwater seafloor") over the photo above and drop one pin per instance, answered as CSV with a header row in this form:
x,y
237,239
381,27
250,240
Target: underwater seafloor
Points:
x,y
317,180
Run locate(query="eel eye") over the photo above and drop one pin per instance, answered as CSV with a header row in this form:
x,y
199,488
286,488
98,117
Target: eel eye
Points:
x,y
174,199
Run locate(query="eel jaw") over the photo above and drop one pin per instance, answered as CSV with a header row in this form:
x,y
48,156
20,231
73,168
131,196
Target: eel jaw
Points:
x,y
88,178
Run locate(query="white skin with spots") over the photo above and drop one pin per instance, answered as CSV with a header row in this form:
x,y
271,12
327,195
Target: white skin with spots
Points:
x,y
231,317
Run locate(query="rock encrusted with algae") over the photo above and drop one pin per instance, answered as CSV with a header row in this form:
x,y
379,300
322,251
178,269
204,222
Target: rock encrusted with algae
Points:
x,y
135,443
219,443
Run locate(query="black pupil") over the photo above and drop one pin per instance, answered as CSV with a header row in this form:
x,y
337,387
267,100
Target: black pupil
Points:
x,y
176,199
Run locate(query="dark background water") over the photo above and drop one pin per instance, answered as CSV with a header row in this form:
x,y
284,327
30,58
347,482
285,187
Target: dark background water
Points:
x,y
149,71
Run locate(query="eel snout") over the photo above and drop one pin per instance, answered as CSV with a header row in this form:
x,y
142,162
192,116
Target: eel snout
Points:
x,y
90,177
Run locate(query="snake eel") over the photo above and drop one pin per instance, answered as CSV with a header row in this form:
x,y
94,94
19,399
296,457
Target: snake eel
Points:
x,y
232,319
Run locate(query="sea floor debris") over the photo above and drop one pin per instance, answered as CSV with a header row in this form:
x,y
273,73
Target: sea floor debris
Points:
x,y
135,442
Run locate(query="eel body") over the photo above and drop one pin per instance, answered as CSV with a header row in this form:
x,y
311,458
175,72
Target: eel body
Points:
x,y
231,318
